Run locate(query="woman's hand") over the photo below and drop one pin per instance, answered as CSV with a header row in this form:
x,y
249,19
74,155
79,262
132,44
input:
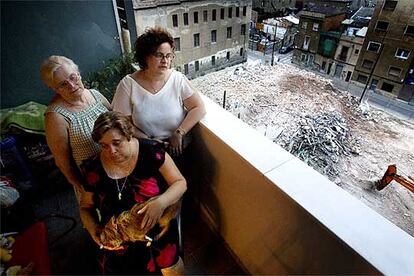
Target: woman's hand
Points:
x,y
176,144
153,212
96,237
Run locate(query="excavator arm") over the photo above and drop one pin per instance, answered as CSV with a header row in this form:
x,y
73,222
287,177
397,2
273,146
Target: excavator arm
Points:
x,y
390,175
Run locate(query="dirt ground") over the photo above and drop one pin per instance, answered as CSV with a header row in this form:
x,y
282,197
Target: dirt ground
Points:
x,y
275,100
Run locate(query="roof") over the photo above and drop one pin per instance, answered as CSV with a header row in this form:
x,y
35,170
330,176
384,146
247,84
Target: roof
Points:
x,y
362,32
147,4
325,10
292,19
362,16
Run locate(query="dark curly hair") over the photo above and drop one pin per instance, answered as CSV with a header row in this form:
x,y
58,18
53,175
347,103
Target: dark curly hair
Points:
x,y
148,42
112,120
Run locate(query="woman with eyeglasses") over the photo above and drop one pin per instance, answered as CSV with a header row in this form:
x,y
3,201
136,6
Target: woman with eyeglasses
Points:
x,y
160,101
70,116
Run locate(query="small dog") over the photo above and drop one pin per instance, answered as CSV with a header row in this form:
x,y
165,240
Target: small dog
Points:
x,y
127,226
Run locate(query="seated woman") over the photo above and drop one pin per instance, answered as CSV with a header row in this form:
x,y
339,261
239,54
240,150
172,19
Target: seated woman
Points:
x,y
130,171
161,102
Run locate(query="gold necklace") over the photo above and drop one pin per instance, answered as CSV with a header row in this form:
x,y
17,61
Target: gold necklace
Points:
x,y
154,91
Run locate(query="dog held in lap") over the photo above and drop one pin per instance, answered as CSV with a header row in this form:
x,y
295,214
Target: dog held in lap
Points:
x,y
127,226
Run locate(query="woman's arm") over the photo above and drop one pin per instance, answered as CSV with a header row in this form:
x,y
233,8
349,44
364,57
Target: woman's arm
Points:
x,y
195,111
57,139
105,102
88,216
177,186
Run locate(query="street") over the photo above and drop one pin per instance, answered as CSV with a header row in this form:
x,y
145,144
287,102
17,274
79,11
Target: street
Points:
x,y
259,56
396,107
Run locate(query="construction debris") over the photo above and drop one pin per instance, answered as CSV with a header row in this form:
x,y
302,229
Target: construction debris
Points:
x,y
320,141
325,127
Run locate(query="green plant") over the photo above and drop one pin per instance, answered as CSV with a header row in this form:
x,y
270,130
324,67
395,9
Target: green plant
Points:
x,y
106,79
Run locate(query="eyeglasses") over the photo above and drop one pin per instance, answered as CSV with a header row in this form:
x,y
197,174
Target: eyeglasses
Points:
x,y
160,56
73,79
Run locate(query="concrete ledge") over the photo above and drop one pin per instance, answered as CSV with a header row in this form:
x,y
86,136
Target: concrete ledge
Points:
x,y
280,216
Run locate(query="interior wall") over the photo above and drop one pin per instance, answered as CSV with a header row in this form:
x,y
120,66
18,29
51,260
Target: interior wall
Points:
x,y
84,31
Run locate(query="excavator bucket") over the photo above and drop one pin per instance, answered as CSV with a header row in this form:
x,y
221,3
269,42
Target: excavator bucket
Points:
x,y
387,178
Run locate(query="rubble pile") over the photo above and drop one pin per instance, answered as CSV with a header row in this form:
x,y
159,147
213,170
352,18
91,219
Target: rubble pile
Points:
x,y
320,141
324,126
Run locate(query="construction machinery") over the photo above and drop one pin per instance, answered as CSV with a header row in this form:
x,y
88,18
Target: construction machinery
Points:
x,y
390,175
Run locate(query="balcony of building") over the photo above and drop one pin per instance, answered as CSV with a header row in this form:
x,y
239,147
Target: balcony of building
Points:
x,y
256,209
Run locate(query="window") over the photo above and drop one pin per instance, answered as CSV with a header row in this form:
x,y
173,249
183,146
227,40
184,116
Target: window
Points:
x,y
394,71
237,12
177,46
362,78
195,17
409,30
185,16
381,26
356,51
344,53
402,53
315,27
304,25
213,60
387,87
228,55
244,10
374,84
213,36
196,40
243,29
241,51
205,15
228,32
222,13
390,5
197,65
230,12
213,15
175,20
367,63
374,46
186,69
306,43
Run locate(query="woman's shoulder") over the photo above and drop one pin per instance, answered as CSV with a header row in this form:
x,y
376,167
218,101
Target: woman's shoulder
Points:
x,y
91,168
177,74
152,150
55,105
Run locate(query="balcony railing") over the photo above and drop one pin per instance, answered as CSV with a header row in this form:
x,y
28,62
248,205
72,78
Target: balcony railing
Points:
x,y
280,216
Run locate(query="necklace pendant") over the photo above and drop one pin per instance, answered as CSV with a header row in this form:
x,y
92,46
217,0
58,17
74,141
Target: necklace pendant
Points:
x,y
119,196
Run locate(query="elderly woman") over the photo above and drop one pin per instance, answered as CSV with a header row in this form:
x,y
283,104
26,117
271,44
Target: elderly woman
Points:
x,y
161,102
70,116
130,171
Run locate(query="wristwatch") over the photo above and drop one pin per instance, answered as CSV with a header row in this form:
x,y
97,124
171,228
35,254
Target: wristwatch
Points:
x,y
180,131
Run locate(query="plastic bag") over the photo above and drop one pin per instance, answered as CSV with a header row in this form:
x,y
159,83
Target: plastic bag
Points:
x,y
8,194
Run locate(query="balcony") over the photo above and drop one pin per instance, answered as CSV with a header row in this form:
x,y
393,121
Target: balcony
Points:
x,y
269,213
279,216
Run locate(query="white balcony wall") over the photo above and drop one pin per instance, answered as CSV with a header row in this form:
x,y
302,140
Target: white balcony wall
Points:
x,y
279,216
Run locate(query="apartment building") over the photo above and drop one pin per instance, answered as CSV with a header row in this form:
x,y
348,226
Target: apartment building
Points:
x,y
319,35
272,8
208,35
350,43
385,63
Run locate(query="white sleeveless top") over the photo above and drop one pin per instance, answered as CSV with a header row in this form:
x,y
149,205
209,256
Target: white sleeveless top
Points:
x,y
157,115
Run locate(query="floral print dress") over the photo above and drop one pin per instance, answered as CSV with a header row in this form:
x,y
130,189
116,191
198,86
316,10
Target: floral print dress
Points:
x,y
143,183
